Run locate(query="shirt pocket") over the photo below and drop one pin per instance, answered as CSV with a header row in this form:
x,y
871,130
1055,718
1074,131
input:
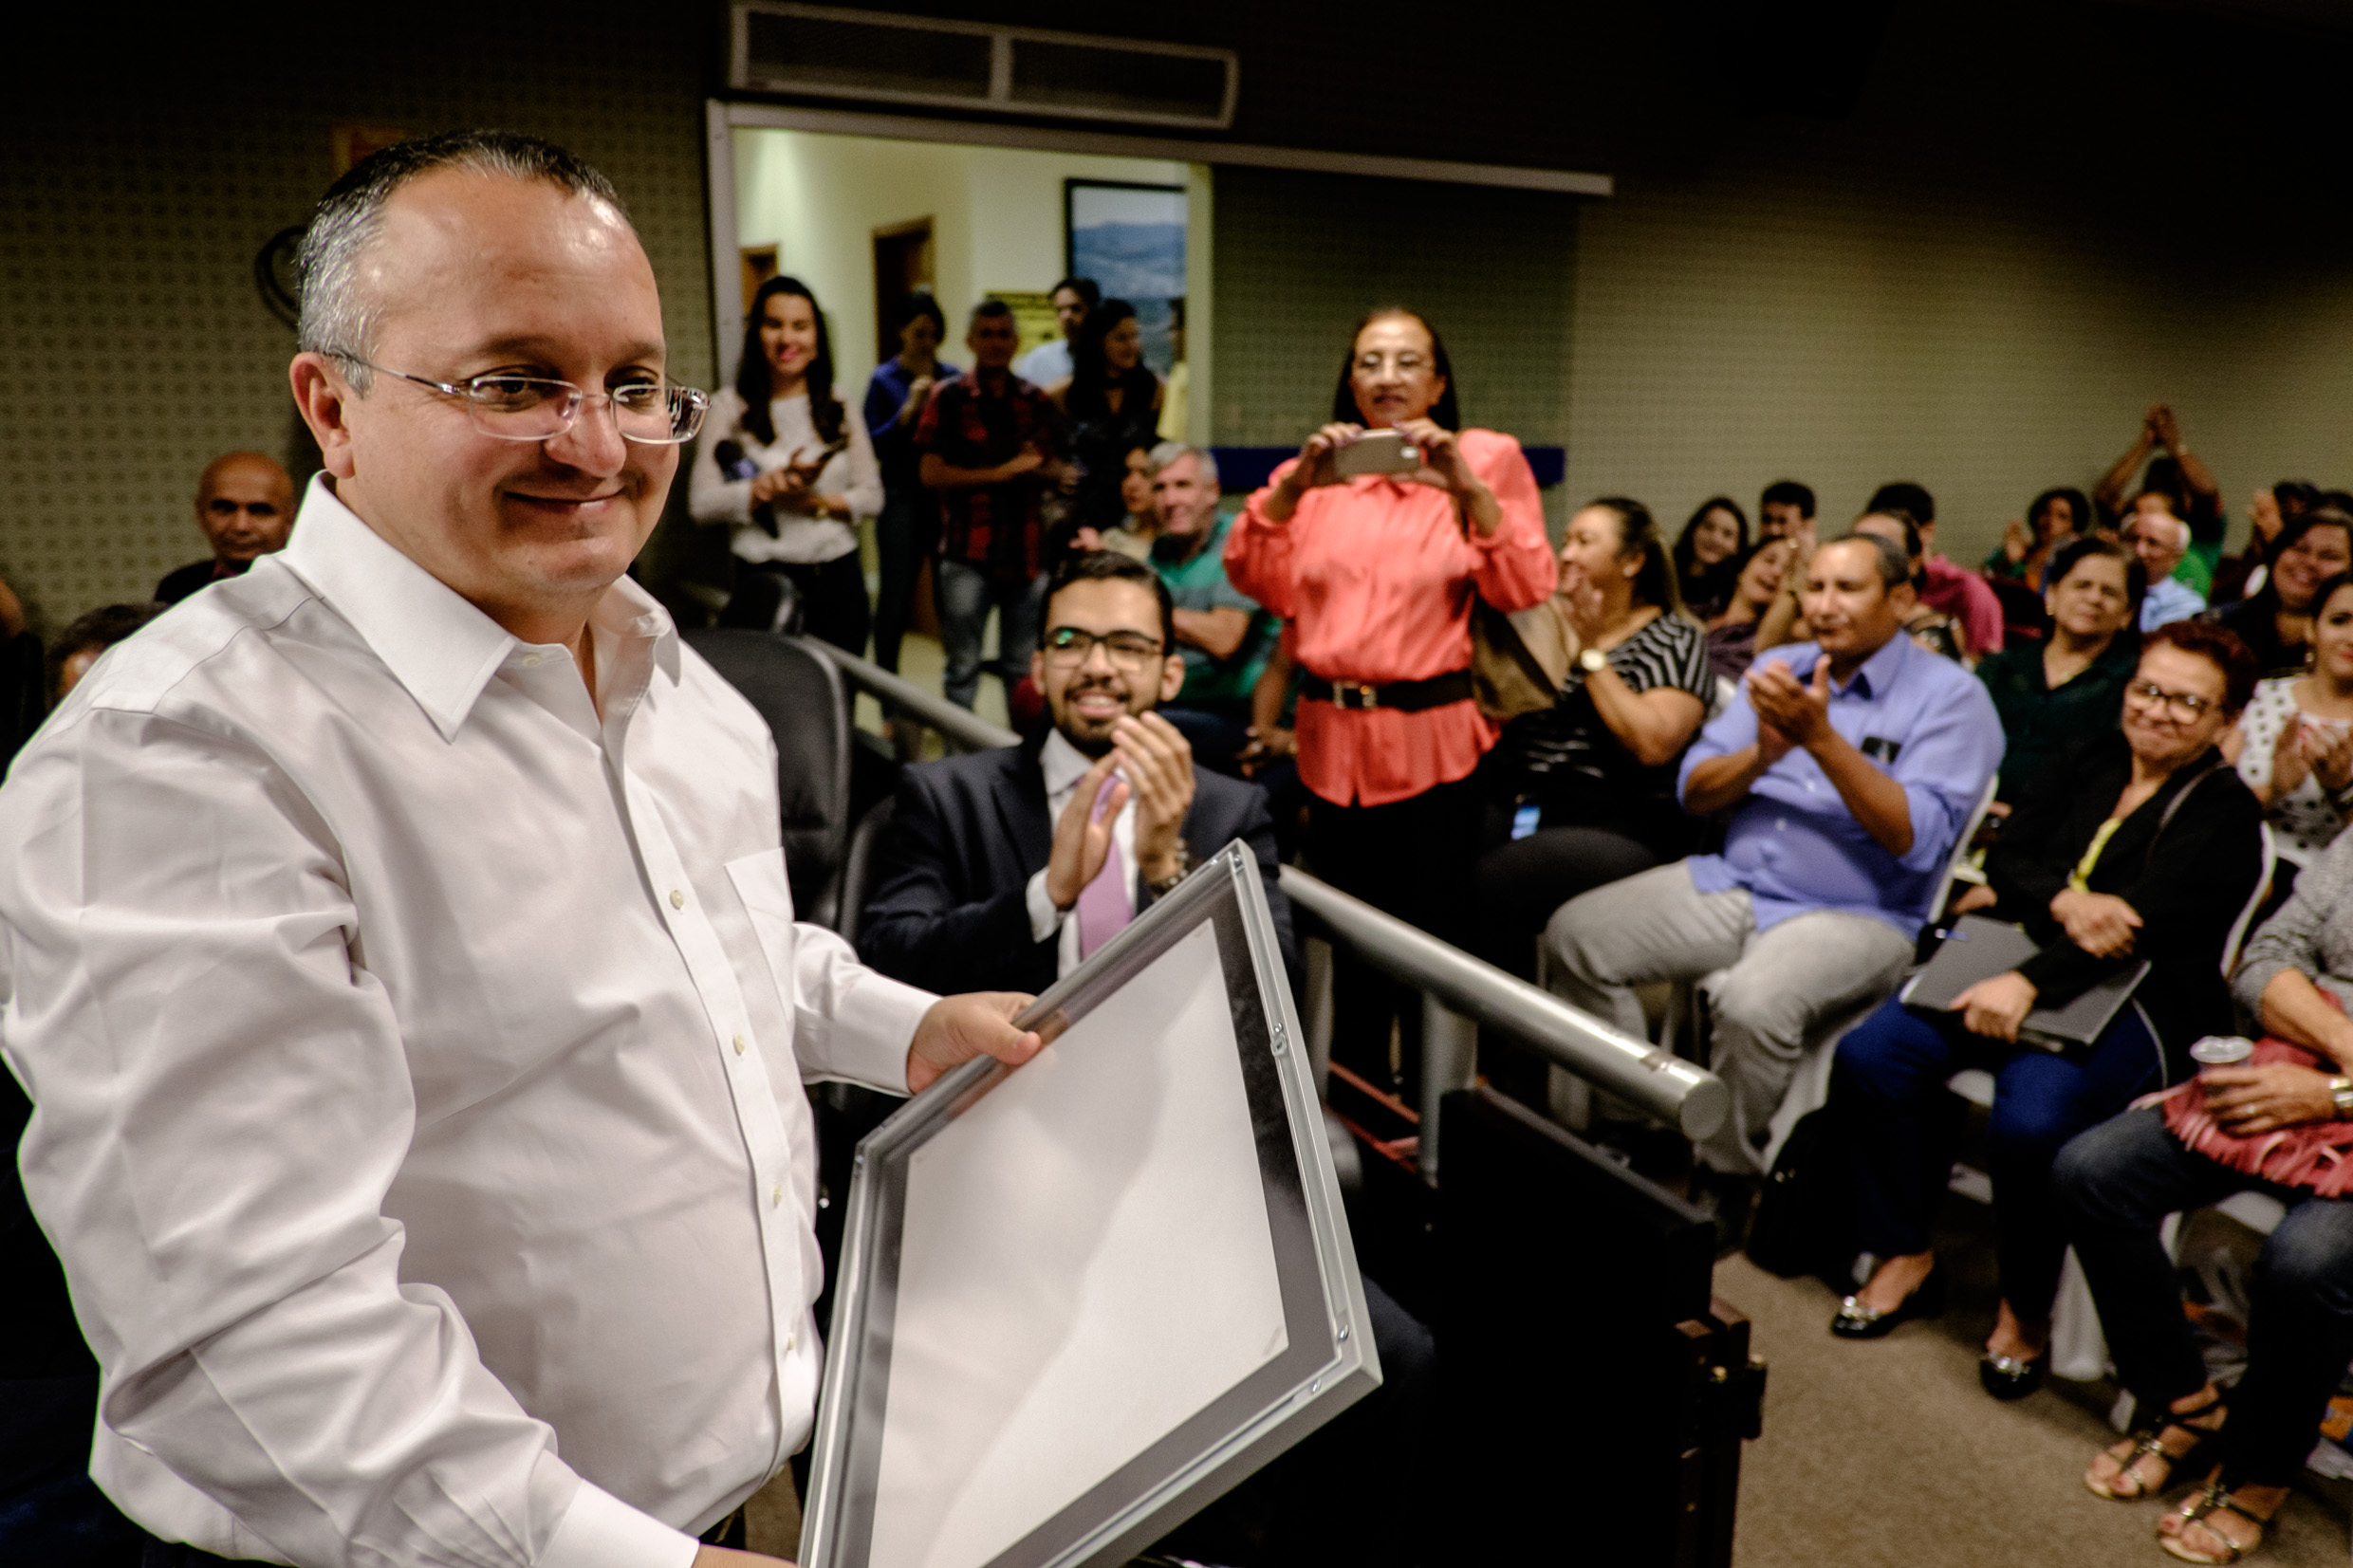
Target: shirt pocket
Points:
x,y
766,896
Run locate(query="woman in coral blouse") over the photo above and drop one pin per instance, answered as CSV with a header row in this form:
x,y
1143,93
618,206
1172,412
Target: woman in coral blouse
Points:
x,y
1378,573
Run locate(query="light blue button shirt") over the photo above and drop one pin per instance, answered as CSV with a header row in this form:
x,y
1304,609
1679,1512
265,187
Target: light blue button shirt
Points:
x,y
2172,600
1794,845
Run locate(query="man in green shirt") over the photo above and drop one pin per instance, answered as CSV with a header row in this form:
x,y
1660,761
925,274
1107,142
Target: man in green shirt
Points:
x,y
1224,637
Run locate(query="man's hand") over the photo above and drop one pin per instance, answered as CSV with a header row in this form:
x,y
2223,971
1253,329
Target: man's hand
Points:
x,y
1994,1007
1025,461
2165,428
2264,1099
721,1557
1159,762
1083,837
1265,745
2100,923
1799,715
958,1029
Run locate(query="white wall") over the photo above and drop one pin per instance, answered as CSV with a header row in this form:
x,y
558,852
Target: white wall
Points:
x,y
996,219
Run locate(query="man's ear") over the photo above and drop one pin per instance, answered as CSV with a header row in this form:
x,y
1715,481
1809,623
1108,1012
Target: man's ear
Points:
x,y
1903,599
322,395
1172,676
1037,670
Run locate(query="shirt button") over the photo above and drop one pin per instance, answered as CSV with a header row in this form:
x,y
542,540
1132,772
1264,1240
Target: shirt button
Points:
x,y
740,1044
790,1340
532,662
776,1195
677,900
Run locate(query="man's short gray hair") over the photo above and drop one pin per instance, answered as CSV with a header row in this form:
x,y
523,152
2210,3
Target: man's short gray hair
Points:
x,y
2180,530
1171,452
337,317
1894,566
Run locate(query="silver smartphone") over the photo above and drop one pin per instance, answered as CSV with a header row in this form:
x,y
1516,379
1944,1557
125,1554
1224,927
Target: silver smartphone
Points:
x,y
1376,452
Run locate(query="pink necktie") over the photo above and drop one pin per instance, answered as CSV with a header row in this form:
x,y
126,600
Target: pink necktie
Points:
x,y
1103,908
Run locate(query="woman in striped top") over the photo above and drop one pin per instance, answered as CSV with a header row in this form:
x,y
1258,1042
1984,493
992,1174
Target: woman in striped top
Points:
x,y
1583,792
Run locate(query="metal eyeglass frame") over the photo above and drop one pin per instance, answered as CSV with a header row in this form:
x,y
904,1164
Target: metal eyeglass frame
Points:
x,y
676,396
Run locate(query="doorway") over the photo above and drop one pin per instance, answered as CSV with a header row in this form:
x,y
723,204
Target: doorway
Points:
x,y
902,268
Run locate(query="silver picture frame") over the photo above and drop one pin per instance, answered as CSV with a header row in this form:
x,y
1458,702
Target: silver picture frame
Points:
x,y
1322,1362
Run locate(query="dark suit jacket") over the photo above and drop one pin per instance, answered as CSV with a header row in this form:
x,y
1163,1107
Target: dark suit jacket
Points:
x,y
949,911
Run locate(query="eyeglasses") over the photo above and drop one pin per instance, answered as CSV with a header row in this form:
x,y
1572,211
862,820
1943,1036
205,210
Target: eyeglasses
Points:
x,y
1126,650
654,413
2186,706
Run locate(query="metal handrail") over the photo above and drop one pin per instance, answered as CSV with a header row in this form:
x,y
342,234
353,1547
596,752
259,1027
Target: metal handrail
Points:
x,y
1657,1081
960,727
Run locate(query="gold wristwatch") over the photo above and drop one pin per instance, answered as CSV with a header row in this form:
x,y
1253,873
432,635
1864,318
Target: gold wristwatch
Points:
x,y
2341,1090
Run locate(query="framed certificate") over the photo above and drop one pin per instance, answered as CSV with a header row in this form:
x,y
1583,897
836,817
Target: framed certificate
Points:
x,y
1081,1299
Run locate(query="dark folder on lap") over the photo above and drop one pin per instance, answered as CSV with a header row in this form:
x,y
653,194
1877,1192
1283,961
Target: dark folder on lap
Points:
x,y
1979,948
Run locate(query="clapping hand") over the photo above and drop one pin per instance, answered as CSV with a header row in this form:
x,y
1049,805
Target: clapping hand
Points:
x,y
2330,753
1156,756
1581,600
1083,836
2017,541
1788,714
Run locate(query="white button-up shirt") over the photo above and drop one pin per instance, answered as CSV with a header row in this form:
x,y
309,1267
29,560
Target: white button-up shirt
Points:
x,y
1065,766
417,1064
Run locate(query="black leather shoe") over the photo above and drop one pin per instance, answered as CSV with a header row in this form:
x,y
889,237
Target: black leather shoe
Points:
x,y
2007,1377
1857,1322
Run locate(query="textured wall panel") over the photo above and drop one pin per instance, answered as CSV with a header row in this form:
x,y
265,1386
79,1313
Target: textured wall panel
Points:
x,y
1300,257
128,311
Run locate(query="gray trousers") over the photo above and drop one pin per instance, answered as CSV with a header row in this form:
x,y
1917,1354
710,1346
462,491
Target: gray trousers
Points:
x,y
1767,990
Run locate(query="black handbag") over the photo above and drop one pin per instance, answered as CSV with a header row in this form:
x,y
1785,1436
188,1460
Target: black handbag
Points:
x,y
1805,1217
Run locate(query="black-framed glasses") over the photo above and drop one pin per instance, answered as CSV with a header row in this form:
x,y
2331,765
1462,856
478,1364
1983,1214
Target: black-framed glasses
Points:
x,y
513,407
1127,650
2186,706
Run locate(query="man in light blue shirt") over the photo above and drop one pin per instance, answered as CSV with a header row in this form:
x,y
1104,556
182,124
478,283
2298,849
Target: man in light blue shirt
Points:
x,y
2161,540
1848,772
1049,364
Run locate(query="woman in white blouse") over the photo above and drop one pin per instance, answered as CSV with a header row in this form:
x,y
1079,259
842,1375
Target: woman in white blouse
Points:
x,y
785,462
2294,744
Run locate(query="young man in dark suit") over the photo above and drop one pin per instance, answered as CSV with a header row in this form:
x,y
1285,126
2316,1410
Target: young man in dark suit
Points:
x,y
1017,865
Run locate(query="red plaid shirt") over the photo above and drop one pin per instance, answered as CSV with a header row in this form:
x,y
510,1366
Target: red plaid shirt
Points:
x,y
996,527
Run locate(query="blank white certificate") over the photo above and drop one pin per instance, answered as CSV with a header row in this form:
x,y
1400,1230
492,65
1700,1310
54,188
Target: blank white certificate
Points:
x,y
1085,1263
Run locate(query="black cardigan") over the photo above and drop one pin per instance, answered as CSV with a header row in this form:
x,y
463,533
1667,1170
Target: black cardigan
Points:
x,y
2188,886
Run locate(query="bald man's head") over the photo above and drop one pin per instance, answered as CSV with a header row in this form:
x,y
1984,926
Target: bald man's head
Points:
x,y
244,505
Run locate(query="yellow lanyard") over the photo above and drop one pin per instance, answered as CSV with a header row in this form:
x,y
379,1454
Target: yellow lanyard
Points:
x,y
2091,856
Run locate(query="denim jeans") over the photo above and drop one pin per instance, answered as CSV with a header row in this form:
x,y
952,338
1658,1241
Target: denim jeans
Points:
x,y
2115,1185
1888,1082
904,535
964,594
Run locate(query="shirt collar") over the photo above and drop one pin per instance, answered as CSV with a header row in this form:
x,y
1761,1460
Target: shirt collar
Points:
x,y
1065,764
1879,673
438,646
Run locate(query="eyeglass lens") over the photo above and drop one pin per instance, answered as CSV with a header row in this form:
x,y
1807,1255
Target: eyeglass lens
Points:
x,y
1068,645
525,408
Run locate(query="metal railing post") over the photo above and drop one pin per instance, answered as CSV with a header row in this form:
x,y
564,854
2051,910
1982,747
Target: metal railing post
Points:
x,y
1449,1060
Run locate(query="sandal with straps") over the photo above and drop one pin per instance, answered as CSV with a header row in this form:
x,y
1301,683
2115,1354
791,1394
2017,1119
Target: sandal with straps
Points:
x,y
2211,1499
2149,1440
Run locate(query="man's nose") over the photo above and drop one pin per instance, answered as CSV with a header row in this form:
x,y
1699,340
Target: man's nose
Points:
x,y
594,443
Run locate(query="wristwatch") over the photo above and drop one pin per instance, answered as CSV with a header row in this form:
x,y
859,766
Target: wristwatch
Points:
x,y
1592,661
1167,885
2341,1090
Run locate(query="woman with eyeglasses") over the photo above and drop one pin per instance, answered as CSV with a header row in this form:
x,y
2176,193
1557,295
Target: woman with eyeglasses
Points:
x,y
1378,573
2140,845
786,464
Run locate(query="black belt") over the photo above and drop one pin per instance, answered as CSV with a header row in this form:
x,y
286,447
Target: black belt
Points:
x,y
1406,696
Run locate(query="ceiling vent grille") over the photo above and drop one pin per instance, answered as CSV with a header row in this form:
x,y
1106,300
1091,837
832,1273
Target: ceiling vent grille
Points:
x,y
828,52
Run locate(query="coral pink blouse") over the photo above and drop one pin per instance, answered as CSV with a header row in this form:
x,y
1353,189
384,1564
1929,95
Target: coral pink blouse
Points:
x,y
1378,574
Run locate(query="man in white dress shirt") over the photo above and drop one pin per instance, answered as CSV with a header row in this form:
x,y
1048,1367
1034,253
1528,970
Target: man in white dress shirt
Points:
x,y
400,960
1049,362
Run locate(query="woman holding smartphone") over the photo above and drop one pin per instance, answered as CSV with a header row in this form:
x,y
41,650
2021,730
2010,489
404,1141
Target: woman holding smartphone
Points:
x,y
1378,572
786,463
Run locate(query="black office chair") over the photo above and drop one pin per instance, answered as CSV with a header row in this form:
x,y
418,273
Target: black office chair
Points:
x,y
801,695
858,866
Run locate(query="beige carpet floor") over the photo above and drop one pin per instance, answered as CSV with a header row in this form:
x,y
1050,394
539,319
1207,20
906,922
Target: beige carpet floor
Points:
x,y
1886,1454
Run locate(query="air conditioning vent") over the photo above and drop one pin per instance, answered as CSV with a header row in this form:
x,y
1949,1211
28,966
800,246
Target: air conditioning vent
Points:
x,y
827,52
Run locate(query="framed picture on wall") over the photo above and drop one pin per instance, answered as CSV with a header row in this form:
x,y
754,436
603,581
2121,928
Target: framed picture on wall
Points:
x,y
1131,240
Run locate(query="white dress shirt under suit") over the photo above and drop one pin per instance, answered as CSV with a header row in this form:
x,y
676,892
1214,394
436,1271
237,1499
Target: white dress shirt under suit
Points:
x,y
417,1064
